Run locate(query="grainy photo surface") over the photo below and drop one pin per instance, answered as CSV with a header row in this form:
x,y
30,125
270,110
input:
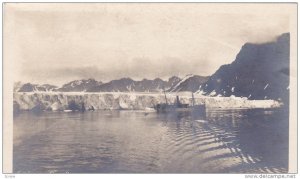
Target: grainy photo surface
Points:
x,y
149,87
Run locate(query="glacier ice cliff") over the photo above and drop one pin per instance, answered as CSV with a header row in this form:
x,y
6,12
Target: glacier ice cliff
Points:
x,y
58,101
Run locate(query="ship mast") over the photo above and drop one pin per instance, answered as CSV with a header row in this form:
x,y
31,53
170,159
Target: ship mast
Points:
x,y
193,99
165,95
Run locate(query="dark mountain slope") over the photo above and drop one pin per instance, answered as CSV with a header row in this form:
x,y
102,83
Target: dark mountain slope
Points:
x,y
260,71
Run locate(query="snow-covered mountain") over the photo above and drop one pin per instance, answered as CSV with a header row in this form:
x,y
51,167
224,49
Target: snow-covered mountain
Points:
x,y
172,81
173,84
28,87
80,85
260,71
130,85
123,84
189,83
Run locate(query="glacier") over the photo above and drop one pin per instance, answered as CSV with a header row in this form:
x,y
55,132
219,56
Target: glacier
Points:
x,y
59,101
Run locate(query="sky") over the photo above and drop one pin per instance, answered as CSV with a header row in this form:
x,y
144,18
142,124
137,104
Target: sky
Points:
x,y
56,43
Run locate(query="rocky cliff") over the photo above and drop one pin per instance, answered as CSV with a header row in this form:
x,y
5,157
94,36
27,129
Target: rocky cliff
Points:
x,y
260,71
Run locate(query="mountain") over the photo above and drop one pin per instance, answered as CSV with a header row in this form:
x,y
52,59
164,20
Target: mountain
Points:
x,y
173,84
122,84
145,85
260,71
79,85
28,87
129,85
189,83
172,81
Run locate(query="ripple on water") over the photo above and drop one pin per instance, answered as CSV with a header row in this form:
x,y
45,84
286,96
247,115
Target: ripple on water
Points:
x,y
131,142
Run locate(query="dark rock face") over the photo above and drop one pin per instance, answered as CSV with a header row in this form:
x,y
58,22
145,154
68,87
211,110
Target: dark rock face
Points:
x,y
260,71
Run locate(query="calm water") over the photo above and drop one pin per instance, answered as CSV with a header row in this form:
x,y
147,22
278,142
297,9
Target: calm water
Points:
x,y
221,141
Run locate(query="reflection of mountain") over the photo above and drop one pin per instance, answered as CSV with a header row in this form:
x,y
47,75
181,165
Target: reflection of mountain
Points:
x,y
260,71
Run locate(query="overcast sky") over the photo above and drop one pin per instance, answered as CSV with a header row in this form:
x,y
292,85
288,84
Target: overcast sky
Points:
x,y
56,43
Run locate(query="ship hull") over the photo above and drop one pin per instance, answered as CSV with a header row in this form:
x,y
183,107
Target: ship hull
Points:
x,y
179,108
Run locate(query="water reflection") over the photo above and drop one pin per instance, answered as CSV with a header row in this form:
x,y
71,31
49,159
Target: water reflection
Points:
x,y
219,141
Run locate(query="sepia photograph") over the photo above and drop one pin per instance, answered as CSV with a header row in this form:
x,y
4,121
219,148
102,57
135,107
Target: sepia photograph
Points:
x,y
194,88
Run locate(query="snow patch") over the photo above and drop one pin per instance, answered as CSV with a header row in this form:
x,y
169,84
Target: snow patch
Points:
x,y
266,86
183,80
213,93
201,121
232,89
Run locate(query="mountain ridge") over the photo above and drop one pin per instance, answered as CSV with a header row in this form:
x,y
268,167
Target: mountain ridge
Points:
x,y
119,85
